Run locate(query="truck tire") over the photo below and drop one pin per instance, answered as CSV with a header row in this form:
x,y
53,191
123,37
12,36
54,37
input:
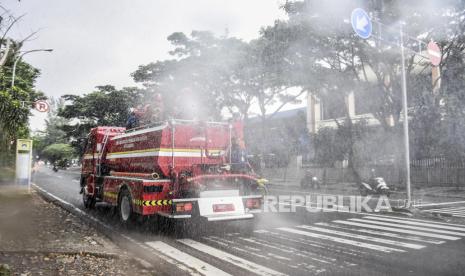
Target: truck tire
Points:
x,y
125,212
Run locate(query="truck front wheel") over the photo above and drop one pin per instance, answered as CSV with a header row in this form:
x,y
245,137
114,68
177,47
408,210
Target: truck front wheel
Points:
x,y
125,207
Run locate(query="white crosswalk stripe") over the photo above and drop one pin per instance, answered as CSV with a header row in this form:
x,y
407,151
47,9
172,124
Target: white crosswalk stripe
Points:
x,y
341,240
410,227
384,234
229,258
186,259
398,230
363,237
417,223
451,211
420,220
307,248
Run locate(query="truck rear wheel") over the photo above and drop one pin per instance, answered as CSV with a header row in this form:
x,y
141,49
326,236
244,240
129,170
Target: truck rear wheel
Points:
x,y
125,207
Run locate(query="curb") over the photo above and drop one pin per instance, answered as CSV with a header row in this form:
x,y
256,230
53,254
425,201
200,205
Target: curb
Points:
x,y
124,242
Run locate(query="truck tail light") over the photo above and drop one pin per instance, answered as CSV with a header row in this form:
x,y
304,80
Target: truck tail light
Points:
x,y
253,203
183,207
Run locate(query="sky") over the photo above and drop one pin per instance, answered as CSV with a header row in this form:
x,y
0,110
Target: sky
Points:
x,y
97,42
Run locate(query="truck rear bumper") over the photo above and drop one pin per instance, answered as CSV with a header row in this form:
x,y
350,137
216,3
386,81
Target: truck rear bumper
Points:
x,y
209,218
229,217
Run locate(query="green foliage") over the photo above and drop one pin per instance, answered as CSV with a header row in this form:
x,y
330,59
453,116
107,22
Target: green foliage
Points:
x,y
202,78
58,152
54,125
107,106
15,104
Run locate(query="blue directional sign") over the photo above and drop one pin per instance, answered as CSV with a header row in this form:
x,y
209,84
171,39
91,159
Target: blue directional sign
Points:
x,y
361,23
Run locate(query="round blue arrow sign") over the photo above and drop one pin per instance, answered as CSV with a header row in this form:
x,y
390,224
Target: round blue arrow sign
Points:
x,y
361,23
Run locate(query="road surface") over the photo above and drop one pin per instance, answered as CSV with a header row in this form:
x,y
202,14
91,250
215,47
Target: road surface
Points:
x,y
300,243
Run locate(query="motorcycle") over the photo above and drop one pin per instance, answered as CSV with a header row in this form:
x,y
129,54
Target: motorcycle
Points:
x,y
375,186
309,180
55,169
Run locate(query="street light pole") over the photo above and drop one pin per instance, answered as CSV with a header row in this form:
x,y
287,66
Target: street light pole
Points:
x,y
405,113
19,57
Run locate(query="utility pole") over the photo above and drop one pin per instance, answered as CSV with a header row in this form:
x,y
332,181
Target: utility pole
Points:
x,y
405,113
361,23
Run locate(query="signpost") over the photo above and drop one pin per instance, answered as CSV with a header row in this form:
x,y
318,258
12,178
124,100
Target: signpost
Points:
x,y
361,23
434,53
41,106
23,162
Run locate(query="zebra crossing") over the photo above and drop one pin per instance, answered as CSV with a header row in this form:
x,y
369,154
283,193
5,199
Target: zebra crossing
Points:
x,y
448,211
322,247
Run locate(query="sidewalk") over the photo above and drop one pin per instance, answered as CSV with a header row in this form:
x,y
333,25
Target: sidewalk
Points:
x,y
39,238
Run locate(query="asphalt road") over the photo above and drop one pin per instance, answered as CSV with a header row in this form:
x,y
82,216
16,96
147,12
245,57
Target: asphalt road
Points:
x,y
298,243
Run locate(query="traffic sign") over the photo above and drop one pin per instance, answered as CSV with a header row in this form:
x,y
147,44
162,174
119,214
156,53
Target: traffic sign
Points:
x,y
41,106
434,53
361,23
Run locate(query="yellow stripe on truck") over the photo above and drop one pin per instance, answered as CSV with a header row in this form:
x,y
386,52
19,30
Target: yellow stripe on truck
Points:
x,y
161,152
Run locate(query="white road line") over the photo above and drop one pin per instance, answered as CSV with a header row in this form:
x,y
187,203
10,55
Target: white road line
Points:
x,y
438,204
341,240
381,233
111,228
59,176
460,212
453,211
247,249
289,250
75,180
447,209
460,215
321,245
399,230
186,259
417,223
363,237
234,260
420,220
410,227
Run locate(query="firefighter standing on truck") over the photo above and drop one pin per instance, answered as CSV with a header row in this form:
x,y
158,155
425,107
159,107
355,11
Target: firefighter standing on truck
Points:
x,y
238,157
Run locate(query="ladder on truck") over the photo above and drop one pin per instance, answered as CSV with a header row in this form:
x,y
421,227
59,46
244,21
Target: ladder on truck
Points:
x,y
99,159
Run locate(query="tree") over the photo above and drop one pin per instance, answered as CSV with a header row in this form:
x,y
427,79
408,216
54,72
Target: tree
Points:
x,y
58,152
202,78
54,124
322,54
15,104
106,106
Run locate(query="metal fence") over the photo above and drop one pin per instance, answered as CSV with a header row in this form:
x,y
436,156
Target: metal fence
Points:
x,y
424,173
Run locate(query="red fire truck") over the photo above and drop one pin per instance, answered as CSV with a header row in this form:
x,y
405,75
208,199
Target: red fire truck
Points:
x,y
177,169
